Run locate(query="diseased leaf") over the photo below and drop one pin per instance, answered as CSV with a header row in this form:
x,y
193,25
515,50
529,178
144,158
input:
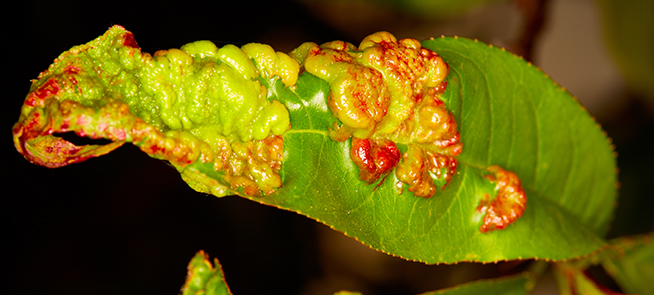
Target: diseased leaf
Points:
x,y
510,114
523,121
219,116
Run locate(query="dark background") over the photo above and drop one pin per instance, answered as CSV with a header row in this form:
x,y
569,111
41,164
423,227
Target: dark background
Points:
x,y
127,224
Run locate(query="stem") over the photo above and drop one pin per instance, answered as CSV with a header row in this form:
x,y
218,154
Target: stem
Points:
x,y
535,13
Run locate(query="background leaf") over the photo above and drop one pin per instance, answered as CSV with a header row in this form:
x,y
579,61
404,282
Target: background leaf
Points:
x,y
633,271
509,285
204,278
509,113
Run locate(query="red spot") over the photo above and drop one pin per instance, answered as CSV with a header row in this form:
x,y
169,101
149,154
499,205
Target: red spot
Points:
x,y
386,156
509,203
71,70
65,125
443,167
341,56
374,158
31,127
360,153
417,98
441,87
120,134
50,88
449,142
128,40
386,45
251,190
317,51
72,80
29,101
158,150
339,45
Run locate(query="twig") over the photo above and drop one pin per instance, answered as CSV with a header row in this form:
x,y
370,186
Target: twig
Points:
x,y
535,12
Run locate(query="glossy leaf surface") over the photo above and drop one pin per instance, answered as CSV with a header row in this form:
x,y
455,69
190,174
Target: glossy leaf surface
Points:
x,y
523,121
510,114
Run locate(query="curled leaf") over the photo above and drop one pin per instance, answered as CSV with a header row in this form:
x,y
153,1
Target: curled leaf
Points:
x,y
238,121
194,104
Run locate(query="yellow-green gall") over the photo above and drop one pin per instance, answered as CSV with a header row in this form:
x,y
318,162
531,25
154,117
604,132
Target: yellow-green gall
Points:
x,y
272,63
388,90
188,105
238,60
201,49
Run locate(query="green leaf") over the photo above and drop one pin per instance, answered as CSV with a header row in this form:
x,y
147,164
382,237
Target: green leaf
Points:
x,y
634,270
514,116
204,278
510,114
509,285
572,278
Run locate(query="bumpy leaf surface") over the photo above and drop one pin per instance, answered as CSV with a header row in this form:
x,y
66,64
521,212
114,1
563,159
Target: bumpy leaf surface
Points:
x,y
508,113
